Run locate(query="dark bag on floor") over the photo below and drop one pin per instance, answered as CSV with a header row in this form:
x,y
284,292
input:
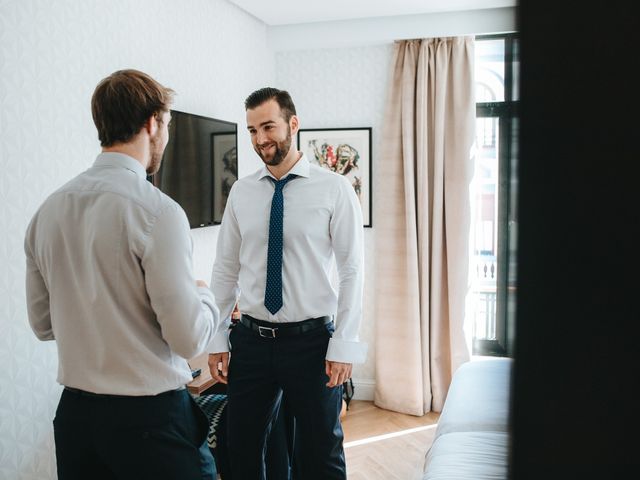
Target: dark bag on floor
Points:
x,y
347,391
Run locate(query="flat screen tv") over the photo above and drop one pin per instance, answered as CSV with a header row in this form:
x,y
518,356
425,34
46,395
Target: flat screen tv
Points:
x,y
199,165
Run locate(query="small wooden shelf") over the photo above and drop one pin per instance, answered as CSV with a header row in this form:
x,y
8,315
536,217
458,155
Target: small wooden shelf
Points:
x,y
204,380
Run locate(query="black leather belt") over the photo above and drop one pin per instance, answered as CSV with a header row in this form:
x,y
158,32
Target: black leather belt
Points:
x,y
274,330
84,393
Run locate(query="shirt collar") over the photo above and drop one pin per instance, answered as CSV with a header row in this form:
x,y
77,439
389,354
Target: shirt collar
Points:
x,y
114,159
301,169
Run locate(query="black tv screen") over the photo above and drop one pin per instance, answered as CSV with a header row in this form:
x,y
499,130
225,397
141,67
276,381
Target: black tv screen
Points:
x,y
199,165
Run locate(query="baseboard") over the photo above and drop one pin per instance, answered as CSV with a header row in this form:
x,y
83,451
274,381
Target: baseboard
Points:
x,y
363,389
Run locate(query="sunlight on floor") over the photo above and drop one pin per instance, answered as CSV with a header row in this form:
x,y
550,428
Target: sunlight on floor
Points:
x,y
386,436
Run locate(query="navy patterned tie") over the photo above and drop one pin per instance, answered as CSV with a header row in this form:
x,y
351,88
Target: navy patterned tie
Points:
x,y
273,290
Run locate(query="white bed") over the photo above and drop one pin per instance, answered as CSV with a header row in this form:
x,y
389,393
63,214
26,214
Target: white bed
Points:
x,y
471,440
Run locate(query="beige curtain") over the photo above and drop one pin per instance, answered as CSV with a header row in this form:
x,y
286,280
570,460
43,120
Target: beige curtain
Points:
x,y
423,212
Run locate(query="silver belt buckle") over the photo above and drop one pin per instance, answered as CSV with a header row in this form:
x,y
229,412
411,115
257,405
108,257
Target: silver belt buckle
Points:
x,y
262,329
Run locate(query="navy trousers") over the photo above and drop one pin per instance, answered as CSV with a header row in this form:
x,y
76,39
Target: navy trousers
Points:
x,y
160,437
261,370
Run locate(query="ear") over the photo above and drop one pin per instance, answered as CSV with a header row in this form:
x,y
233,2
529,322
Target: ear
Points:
x,y
293,124
151,125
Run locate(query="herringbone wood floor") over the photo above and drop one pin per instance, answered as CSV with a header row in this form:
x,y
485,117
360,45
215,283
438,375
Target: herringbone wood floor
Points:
x,y
380,444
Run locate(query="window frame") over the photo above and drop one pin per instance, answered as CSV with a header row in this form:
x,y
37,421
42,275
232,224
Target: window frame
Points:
x,y
506,113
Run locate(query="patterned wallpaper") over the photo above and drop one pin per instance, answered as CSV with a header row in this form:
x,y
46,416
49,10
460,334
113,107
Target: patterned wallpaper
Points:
x,y
342,88
52,54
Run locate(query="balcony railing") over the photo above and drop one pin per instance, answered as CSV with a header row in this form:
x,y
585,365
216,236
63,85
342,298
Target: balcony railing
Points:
x,y
484,296
485,268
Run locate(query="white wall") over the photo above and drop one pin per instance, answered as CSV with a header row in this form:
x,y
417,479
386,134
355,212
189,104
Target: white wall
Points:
x,y
52,55
344,88
384,30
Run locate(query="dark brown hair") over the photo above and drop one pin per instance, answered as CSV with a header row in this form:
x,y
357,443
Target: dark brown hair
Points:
x,y
124,101
263,95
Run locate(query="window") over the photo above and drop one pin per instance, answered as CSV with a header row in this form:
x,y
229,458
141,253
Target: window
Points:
x,y
494,216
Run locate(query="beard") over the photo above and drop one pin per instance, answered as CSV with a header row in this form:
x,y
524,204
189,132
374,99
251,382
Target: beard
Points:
x,y
157,149
281,150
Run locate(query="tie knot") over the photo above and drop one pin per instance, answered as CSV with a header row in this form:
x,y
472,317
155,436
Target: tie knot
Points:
x,y
282,182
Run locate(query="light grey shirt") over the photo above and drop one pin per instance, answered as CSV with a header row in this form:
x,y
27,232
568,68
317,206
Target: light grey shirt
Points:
x,y
110,279
323,234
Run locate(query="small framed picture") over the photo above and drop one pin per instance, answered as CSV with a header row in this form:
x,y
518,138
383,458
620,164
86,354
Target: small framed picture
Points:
x,y
225,170
346,151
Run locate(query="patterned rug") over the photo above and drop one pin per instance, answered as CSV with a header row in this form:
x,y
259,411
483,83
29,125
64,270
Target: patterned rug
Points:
x,y
213,407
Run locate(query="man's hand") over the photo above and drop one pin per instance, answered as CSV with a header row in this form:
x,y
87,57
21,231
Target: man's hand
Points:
x,y
337,372
202,283
219,366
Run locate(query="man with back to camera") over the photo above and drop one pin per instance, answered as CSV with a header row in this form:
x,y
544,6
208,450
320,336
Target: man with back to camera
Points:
x,y
281,229
109,278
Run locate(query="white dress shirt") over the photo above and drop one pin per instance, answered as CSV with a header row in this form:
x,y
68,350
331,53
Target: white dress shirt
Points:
x,y
322,231
110,279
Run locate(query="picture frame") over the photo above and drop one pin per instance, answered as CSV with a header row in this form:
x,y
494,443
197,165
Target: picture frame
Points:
x,y
224,152
346,151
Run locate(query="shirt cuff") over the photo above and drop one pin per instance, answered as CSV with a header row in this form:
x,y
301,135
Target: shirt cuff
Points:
x,y
219,343
344,351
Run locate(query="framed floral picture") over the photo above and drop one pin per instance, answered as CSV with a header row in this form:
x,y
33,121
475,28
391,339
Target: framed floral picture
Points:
x,y
346,151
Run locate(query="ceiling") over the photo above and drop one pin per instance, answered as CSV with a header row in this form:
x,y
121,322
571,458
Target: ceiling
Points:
x,y
287,12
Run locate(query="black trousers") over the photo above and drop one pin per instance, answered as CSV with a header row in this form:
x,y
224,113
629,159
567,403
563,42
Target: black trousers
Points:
x,y
159,437
260,372
279,452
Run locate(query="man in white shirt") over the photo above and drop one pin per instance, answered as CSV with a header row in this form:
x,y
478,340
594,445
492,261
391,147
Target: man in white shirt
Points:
x,y
282,228
109,278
